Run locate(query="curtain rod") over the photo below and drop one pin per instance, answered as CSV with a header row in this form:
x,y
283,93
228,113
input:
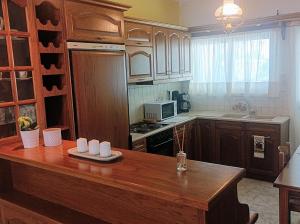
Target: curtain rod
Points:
x,y
252,24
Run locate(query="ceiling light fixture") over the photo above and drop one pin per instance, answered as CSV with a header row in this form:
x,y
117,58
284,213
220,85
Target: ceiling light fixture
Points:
x,y
230,15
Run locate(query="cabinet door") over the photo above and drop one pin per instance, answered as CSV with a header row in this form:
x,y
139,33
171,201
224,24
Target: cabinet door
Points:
x,y
186,55
204,143
267,166
138,34
87,22
174,54
185,133
229,147
139,64
160,48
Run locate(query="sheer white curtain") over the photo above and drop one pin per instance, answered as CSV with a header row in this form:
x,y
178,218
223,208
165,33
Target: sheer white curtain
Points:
x,y
236,64
291,69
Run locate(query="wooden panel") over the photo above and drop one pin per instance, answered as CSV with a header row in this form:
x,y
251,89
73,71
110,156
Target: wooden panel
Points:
x,y
267,166
101,96
138,34
139,64
174,54
205,150
160,48
87,22
230,147
186,68
100,201
233,125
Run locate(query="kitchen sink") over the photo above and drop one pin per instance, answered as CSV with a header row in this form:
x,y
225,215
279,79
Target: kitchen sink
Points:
x,y
260,117
233,115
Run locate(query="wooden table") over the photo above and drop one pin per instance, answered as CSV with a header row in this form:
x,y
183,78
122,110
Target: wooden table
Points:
x,y
288,183
139,188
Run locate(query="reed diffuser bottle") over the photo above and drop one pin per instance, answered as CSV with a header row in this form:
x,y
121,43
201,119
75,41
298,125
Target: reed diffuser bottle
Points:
x,y
181,155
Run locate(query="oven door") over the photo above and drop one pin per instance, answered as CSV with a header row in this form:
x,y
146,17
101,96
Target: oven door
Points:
x,y
161,143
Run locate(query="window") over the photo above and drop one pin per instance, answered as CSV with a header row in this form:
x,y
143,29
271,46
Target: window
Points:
x,y
235,64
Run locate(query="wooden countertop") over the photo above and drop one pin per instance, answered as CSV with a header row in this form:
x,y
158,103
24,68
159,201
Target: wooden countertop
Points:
x,y
143,173
289,177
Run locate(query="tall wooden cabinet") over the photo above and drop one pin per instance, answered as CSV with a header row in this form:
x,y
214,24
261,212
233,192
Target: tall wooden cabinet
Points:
x,y
19,79
54,69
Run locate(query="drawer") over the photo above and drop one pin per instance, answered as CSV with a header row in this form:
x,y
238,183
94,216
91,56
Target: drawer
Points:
x,y
89,22
233,125
263,127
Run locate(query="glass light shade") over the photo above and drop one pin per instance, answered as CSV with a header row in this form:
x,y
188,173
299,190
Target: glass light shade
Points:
x,y
230,15
228,10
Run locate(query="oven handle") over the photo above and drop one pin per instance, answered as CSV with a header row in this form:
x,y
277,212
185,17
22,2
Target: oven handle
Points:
x,y
160,144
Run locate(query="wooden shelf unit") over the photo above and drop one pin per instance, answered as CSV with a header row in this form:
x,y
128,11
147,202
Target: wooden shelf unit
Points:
x,y
53,63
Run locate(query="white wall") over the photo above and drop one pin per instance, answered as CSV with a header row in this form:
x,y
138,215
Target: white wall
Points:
x,y
138,95
201,12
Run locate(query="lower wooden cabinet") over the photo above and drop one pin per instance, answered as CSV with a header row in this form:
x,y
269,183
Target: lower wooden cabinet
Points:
x,y
204,141
268,165
229,142
232,143
189,138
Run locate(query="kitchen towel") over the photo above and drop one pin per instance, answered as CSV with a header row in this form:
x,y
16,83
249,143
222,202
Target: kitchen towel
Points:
x,y
259,146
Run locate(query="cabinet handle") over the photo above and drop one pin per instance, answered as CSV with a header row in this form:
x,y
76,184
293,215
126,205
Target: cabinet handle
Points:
x,y
139,43
267,137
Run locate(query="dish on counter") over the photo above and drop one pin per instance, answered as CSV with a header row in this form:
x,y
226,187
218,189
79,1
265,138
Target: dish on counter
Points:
x,y
86,155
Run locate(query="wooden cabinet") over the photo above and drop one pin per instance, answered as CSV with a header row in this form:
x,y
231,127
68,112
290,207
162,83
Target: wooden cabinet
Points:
x,y
140,145
139,64
232,143
185,66
229,142
95,22
174,39
186,130
204,140
267,163
138,34
160,49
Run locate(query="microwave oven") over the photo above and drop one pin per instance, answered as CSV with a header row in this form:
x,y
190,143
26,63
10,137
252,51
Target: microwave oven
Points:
x,y
159,111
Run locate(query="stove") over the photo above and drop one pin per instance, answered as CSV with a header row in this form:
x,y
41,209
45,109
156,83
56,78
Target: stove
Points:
x,y
143,127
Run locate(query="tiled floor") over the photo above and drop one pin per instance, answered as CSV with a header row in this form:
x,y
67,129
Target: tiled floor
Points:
x,y
262,198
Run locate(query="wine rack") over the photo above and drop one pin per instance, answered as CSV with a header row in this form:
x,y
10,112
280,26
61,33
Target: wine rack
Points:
x,y
54,71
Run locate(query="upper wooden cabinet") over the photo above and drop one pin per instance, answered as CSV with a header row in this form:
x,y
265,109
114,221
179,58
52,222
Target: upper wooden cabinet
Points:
x,y
93,22
186,55
138,34
160,49
139,64
174,54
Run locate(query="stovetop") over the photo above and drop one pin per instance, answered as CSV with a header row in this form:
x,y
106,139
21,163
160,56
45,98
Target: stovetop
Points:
x,y
143,127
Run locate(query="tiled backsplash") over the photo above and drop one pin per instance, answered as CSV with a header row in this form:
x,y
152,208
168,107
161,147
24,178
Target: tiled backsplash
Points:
x,y
138,95
262,105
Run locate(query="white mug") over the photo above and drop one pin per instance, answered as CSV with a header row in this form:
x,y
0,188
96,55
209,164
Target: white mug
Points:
x,y
82,145
105,149
94,147
52,137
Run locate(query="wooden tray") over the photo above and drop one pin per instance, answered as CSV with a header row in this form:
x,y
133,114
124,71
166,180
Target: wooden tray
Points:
x,y
86,155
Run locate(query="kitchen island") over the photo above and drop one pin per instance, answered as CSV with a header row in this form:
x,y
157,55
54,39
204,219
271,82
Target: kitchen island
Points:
x,y
46,185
